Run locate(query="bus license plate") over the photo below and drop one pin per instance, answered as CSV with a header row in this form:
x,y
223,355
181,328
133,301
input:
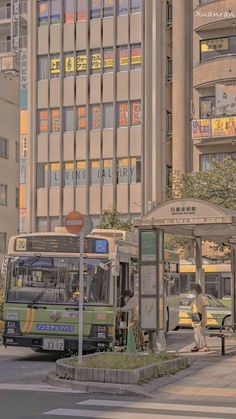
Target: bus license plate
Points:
x,y
53,344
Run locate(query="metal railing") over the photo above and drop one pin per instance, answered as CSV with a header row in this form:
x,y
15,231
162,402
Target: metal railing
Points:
x,y
5,13
202,2
169,124
23,7
169,69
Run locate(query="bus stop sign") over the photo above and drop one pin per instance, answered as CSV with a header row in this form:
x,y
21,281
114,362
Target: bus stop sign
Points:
x,y
74,222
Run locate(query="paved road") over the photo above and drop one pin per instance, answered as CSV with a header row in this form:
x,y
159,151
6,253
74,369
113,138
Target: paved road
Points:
x,y
38,405
23,366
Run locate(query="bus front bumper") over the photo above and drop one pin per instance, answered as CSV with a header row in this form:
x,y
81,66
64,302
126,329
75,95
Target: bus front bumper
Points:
x,y
68,344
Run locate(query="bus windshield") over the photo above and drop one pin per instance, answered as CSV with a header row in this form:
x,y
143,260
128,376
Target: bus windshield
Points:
x,y
29,276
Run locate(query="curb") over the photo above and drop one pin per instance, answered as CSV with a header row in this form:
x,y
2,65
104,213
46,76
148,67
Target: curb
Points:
x,y
144,390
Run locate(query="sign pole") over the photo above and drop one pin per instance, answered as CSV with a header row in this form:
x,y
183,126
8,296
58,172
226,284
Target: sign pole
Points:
x,y
81,297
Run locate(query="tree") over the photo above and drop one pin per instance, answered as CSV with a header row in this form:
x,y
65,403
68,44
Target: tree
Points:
x,y
217,185
111,218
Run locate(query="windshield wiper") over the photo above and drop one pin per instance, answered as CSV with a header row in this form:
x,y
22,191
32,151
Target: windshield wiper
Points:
x,y
37,297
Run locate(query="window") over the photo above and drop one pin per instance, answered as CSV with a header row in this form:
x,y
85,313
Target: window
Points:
x,y
68,174
3,194
17,197
168,123
81,118
54,11
4,147
95,9
169,177
108,60
53,223
95,61
42,67
135,170
69,62
95,172
213,48
168,13
55,120
108,115
17,151
107,8
169,69
122,7
81,173
207,159
136,56
55,66
42,175
69,11
135,6
129,170
81,11
3,242
122,58
81,63
106,173
42,224
42,121
69,119
42,13
95,116
135,108
123,171
54,175
207,106
123,114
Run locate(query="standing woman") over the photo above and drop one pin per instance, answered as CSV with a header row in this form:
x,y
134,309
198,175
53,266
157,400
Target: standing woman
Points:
x,y
199,319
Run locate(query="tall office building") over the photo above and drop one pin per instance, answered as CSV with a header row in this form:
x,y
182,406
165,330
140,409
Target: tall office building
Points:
x,y
13,25
102,74
214,81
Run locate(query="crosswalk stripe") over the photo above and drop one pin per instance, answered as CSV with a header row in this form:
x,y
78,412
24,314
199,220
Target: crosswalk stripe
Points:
x,y
116,415
159,406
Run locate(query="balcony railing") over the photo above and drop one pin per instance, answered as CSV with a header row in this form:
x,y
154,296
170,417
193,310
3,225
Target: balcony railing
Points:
x,y
202,2
222,127
168,124
5,13
168,14
23,7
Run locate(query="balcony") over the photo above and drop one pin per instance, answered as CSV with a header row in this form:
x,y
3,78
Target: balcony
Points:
x,y
211,15
215,130
214,70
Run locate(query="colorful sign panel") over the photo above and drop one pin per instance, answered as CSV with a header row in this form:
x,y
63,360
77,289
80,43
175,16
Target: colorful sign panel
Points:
x,y
223,127
201,128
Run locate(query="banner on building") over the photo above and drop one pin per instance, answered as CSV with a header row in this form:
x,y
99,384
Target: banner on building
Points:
x,y
201,128
223,127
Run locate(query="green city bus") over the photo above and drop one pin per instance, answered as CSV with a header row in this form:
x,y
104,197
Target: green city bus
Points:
x,y
42,289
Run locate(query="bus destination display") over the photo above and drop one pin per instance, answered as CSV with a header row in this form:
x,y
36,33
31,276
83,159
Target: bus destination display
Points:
x,y
59,244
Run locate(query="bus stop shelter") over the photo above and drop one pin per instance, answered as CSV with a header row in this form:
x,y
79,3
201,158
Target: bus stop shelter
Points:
x,y
199,220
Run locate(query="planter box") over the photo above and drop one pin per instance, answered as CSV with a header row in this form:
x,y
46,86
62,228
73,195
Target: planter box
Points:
x,y
116,376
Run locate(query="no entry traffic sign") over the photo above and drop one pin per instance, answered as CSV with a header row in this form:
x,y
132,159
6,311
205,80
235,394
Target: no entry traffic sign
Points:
x,y
74,222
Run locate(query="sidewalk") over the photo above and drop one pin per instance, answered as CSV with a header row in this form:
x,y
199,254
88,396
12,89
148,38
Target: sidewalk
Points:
x,y
211,376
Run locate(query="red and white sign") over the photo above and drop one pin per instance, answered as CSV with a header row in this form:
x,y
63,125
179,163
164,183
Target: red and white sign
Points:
x,y
74,222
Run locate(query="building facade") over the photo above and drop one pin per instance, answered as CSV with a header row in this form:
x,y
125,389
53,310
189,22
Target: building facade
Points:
x,y
101,96
13,25
214,82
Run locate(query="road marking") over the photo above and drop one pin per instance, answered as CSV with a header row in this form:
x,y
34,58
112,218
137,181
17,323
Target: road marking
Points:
x,y
117,415
199,391
36,387
159,406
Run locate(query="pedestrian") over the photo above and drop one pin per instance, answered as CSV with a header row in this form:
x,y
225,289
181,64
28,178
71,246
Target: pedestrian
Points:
x,y
199,319
134,338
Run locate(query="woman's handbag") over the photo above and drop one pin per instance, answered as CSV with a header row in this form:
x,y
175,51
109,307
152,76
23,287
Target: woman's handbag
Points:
x,y
196,317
